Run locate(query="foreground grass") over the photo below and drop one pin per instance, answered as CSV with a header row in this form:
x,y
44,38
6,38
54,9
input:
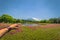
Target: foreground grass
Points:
x,y
31,34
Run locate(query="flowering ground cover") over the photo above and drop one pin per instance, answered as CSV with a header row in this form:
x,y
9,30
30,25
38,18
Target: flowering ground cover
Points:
x,y
43,32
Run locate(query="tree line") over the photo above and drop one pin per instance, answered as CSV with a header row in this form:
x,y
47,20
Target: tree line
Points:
x,y
5,18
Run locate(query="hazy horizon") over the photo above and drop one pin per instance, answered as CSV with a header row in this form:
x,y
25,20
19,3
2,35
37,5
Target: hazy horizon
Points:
x,y
23,9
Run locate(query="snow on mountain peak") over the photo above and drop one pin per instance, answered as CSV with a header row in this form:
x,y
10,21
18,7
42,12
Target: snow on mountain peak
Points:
x,y
36,19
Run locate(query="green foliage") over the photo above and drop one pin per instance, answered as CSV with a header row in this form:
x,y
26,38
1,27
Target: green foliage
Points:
x,y
54,20
9,19
17,20
39,34
51,20
43,21
6,18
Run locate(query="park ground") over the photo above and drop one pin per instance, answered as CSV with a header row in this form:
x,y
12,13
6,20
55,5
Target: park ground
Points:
x,y
40,32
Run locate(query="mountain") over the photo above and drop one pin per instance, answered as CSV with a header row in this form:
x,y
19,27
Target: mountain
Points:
x,y
34,19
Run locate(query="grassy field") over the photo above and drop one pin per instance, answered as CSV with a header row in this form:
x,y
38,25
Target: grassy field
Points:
x,y
34,33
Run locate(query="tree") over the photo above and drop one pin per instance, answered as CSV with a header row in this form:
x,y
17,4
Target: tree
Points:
x,y
44,21
17,20
6,18
54,20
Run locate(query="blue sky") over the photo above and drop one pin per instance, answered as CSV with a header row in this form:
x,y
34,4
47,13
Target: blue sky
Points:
x,y
41,9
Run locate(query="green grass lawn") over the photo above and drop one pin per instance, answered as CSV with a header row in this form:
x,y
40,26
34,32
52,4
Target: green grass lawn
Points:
x,y
31,34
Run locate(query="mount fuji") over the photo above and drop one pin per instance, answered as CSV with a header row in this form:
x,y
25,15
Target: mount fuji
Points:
x,y
34,19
